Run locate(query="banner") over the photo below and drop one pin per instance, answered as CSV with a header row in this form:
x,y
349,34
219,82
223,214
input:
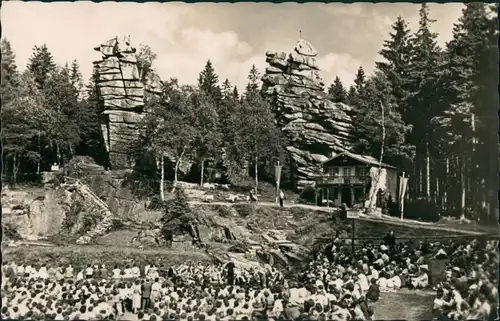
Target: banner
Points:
x,y
402,191
277,173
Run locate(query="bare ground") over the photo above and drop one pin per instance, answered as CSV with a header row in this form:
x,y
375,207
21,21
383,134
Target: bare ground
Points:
x,y
404,305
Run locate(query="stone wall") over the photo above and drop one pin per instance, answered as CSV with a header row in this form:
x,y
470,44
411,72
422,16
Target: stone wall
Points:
x,y
314,126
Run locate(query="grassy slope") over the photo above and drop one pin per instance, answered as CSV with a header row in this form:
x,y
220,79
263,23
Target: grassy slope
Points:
x,y
100,254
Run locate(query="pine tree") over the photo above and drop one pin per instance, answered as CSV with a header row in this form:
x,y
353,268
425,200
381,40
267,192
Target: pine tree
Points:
x,y
337,92
41,64
208,82
226,88
9,73
465,125
208,140
396,52
76,78
425,95
24,121
357,87
351,95
373,96
258,140
254,83
61,98
360,78
177,215
236,94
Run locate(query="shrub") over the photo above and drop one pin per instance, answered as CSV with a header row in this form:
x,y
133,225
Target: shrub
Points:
x,y
177,214
421,209
244,210
224,211
308,195
156,204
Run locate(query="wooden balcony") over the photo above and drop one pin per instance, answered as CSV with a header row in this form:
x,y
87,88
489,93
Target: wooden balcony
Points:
x,y
342,180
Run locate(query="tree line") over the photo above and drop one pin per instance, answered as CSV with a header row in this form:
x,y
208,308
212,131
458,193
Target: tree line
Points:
x,y
438,105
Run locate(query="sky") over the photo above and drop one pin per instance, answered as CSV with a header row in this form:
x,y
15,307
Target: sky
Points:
x,y
232,36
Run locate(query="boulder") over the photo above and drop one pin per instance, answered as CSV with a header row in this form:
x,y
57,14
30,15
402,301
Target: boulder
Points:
x,y
315,127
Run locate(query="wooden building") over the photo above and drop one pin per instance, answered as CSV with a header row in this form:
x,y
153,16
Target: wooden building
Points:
x,y
351,178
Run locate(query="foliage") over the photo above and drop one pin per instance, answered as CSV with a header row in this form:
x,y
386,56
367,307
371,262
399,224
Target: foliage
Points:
x,y
145,58
41,64
24,119
224,211
396,51
421,209
244,210
374,95
9,73
177,215
336,92
208,82
308,195
258,140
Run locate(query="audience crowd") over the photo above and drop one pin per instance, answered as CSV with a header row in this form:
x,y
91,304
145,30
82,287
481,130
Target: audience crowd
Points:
x,y
336,285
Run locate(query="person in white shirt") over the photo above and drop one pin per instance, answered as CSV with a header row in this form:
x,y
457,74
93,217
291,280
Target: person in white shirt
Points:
x,y
43,273
281,198
155,290
363,282
79,275
89,272
146,269
382,282
116,273
136,271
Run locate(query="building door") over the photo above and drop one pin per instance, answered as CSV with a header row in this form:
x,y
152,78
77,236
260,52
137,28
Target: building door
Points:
x,y
346,196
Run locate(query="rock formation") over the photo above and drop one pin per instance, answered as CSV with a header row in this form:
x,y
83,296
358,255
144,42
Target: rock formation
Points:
x,y
314,126
122,94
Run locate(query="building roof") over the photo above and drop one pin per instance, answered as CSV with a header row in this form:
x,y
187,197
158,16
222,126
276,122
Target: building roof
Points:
x,y
369,160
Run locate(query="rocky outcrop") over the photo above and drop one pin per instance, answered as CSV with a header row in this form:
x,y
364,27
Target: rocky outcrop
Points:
x,y
314,126
122,94
33,214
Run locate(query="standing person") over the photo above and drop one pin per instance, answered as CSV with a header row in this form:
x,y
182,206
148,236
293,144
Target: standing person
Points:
x,y
390,240
282,197
230,272
146,294
136,298
89,271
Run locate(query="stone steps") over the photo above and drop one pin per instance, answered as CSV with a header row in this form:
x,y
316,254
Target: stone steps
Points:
x,y
108,218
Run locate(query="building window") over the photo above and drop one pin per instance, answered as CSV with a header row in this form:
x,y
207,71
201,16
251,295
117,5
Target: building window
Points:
x,y
362,171
346,171
333,171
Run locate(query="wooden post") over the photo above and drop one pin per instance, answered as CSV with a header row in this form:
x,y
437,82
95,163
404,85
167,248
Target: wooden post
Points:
x,y
328,197
352,196
278,179
353,235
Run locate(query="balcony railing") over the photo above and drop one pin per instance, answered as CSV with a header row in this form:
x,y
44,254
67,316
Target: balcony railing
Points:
x,y
341,180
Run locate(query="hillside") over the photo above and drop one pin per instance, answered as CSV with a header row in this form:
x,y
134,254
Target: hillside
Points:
x,y
75,212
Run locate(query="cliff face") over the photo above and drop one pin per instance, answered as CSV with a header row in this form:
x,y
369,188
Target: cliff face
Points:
x,y
122,94
314,126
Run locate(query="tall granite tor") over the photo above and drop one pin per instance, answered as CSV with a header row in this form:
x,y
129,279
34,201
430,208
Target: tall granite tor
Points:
x,y
315,127
122,94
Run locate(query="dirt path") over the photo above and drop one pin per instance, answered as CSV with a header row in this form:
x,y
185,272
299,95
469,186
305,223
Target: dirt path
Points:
x,y
364,217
